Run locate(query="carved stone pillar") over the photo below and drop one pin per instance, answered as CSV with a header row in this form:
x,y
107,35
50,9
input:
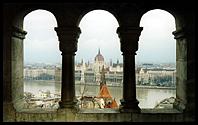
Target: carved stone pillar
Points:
x,y
181,67
13,92
17,66
129,37
68,37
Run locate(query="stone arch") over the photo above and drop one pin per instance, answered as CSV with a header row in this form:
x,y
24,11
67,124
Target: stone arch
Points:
x,y
115,41
19,16
86,11
101,11
151,9
183,39
185,21
158,25
17,61
184,59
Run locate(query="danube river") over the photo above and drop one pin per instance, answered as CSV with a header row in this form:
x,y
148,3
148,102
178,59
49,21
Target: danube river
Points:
x,y
147,97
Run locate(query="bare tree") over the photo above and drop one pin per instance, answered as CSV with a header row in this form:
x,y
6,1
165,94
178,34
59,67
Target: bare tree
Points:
x,y
85,89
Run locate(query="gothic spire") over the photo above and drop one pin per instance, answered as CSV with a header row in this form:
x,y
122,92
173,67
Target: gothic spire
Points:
x,y
99,51
102,78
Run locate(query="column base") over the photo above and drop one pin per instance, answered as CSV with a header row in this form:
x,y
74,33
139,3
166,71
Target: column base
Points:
x,y
67,114
68,104
129,106
9,112
179,105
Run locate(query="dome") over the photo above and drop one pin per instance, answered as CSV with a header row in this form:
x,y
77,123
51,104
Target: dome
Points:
x,y
99,57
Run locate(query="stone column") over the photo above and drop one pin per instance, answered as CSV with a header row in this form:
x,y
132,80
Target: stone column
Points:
x,y
17,66
129,37
68,37
13,92
181,67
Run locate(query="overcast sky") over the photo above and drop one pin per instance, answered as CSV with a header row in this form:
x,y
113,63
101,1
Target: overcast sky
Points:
x,y
98,30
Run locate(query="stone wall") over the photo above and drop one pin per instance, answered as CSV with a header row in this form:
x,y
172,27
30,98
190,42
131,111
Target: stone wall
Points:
x,y
67,115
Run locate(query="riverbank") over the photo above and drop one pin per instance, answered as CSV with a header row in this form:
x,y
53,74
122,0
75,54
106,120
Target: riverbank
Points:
x,y
108,84
155,87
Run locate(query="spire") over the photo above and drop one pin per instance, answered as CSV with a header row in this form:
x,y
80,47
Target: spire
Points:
x,y
104,92
117,61
99,51
102,78
111,62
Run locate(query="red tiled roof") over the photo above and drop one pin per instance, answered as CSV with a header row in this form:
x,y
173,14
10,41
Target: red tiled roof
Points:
x,y
104,92
114,104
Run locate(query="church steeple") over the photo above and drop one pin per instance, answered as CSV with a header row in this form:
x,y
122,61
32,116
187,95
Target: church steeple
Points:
x,y
99,51
102,78
117,61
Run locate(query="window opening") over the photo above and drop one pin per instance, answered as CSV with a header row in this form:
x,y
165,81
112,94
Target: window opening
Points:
x,y
98,65
156,61
42,62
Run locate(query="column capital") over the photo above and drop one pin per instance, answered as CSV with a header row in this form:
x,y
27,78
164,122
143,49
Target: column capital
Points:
x,y
179,104
68,38
129,106
183,33
18,33
129,37
180,33
129,30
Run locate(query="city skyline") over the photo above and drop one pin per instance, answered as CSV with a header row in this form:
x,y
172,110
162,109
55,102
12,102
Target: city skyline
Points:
x,y
99,31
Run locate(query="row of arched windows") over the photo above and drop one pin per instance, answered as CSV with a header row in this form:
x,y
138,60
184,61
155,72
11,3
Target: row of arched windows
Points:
x,y
98,27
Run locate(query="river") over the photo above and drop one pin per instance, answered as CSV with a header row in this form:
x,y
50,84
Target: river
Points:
x,y
147,97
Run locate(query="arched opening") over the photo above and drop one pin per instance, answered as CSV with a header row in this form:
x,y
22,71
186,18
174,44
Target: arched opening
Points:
x,y
13,67
42,61
99,63
156,61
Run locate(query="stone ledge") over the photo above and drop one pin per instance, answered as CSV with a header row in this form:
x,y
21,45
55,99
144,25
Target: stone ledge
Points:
x,y
98,111
100,115
104,111
160,111
37,111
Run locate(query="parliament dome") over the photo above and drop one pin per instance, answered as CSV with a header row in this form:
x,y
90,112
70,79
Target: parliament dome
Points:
x,y
99,57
